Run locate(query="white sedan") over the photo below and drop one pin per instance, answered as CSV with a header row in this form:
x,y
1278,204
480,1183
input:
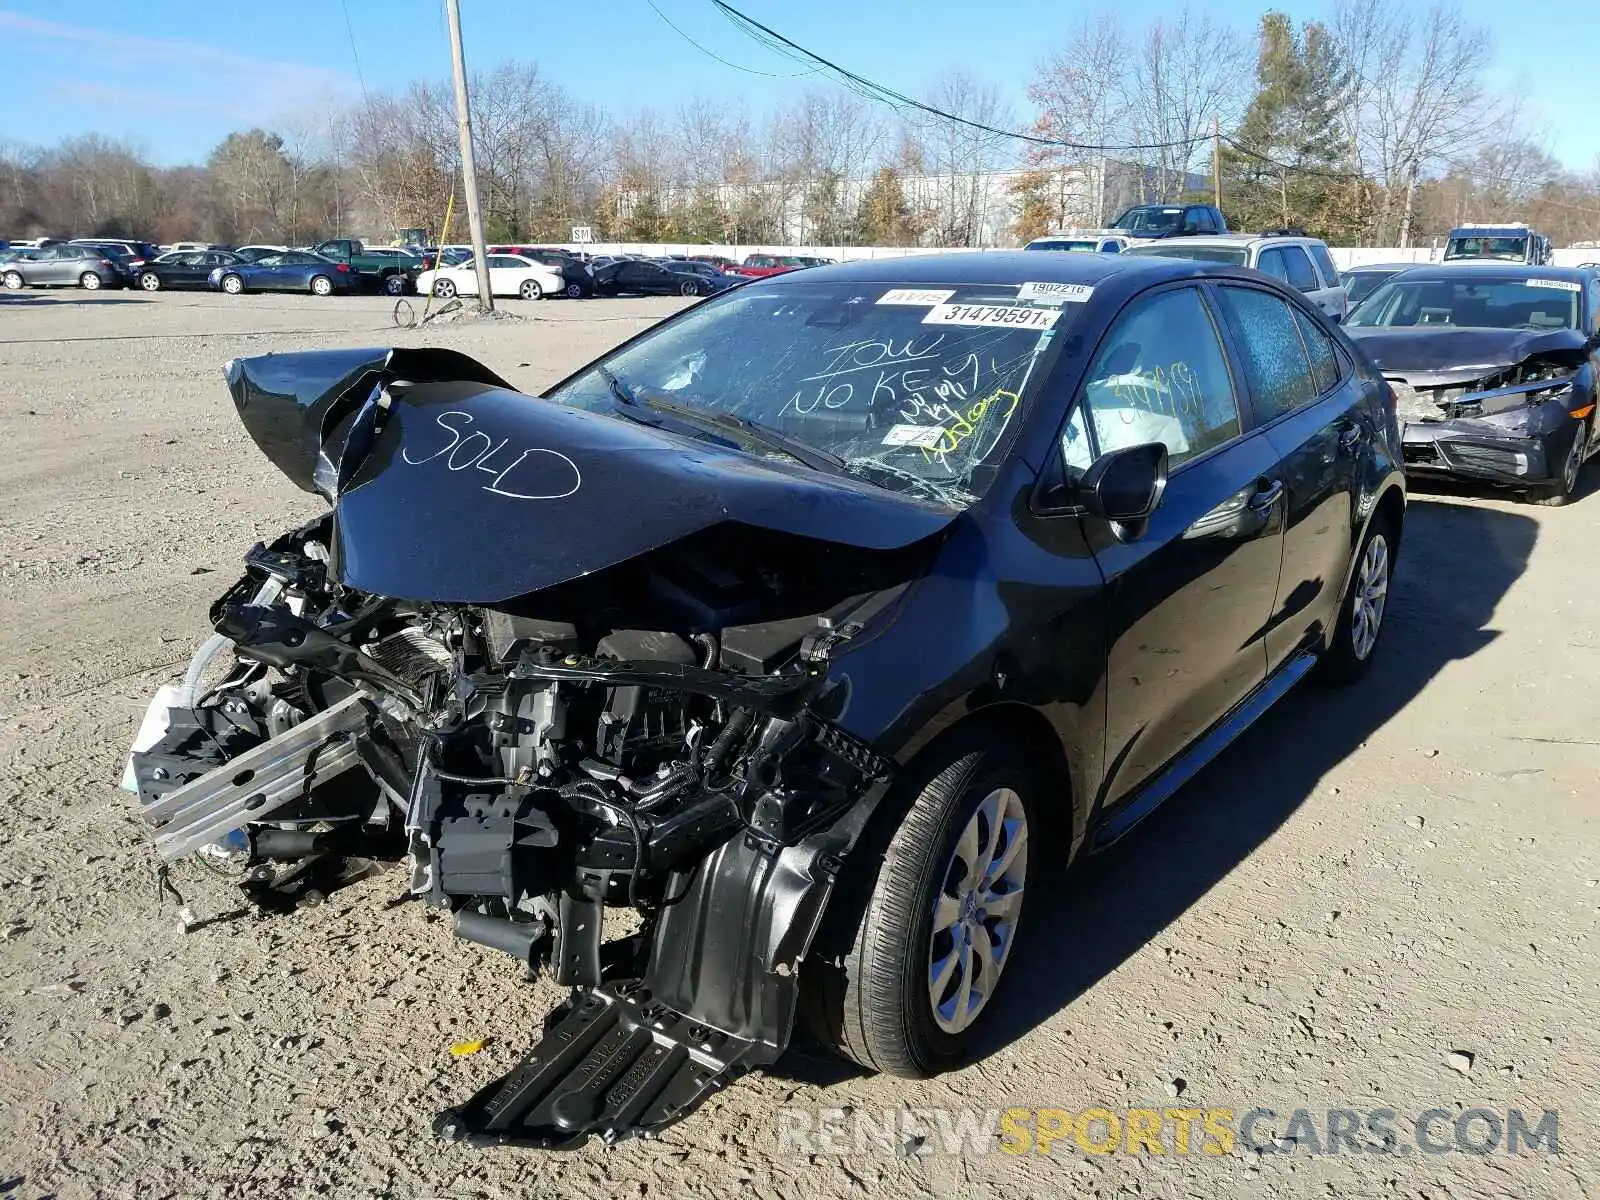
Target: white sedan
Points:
x,y
509,275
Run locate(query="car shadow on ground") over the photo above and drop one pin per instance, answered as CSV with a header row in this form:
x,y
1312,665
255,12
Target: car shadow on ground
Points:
x,y
26,298
1455,564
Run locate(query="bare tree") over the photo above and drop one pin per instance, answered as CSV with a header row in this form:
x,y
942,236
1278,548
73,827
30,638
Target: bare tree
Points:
x,y
1084,96
958,157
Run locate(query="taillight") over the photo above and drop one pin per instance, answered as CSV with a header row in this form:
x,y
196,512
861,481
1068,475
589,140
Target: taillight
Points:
x,y
342,267
106,262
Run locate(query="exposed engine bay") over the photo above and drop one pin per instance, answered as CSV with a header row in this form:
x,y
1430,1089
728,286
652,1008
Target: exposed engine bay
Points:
x,y
653,727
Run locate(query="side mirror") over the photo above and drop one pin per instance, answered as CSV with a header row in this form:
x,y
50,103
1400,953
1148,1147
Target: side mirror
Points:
x,y
1125,485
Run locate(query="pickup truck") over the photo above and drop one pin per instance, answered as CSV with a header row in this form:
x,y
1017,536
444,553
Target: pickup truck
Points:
x,y
388,270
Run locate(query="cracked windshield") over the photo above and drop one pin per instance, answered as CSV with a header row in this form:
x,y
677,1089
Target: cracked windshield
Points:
x,y
910,388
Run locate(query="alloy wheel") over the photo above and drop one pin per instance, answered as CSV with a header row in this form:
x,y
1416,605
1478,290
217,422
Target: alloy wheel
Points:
x,y
320,285
1371,596
530,290
150,281
1574,464
14,281
573,291
232,284
89,281
975,911
444,289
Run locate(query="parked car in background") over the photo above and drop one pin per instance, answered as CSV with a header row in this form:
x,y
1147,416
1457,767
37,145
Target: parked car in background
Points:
x,y
1362,280
61,265
577,278
1081,243
290,271
841,676
183,269
254,252
1494,370
704,270
185,247
434,257
1513,242
758,266
720,261
1301,262
509,275
644,278
1152,222
137,253
388,270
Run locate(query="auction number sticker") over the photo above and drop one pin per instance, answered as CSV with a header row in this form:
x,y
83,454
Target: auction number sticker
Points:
x,y
1012,316
1058,293
927,297
1566,285
924,436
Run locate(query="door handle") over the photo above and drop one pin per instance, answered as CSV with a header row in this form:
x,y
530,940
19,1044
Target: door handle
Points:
x,y
1268,492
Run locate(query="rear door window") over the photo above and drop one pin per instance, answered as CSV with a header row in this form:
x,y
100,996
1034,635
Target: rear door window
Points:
x,y
1325,370
1275,359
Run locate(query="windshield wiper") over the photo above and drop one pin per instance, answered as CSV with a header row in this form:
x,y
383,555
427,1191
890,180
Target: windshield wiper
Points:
x,y
761,435
625,403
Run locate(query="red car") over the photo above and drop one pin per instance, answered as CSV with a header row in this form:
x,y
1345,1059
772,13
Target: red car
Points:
x,y
756,266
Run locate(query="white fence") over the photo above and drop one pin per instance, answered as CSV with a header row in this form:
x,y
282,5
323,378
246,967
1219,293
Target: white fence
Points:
x,y
1343,256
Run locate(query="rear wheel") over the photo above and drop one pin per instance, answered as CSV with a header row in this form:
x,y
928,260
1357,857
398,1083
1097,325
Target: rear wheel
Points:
x,y
444,289
689,288
530,290
14,281
321,285
150,281
1565,488
573,291
232,284
89,281
1365,603
928,946
394,285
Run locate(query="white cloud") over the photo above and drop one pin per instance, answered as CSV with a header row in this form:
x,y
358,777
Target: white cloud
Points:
x,y
225,83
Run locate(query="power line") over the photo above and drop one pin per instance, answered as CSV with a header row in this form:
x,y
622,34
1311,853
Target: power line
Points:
x,y
725,62
899,100
354,53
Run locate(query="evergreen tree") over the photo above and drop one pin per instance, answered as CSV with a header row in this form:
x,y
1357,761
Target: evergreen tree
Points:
x,y
884,217
1034,193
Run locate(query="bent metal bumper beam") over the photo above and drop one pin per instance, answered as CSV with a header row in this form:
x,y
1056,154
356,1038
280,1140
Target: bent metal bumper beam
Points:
x,y
257,783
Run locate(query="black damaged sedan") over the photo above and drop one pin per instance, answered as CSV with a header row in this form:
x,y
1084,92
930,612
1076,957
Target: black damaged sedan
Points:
x,y
815,624
1495,371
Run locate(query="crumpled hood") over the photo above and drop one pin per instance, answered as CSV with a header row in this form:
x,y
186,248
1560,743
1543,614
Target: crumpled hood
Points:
x,y
467,492
1442,355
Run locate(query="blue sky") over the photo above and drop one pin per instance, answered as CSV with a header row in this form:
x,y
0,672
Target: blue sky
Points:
x,y
176,76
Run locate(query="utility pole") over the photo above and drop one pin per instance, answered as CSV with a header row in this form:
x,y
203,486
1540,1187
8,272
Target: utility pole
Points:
x,y
469,171
1216,160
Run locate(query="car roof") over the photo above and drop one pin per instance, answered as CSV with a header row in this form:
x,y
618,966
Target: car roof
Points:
x,y
1499,270
1383,266
1002,267
1242,240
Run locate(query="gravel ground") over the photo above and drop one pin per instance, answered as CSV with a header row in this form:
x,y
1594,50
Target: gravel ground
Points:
x,y
1369,882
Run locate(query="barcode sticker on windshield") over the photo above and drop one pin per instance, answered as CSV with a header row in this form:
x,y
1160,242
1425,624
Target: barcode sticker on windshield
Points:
x,y
1056,293
923,296
992,314
924,436
1566,285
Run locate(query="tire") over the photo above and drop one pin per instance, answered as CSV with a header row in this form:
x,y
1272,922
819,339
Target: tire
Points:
x,y
573,291
688,289
90,282
321,285
394,285
530,290
877,1007
1565,488
14,281
1366,602
232,284
444,289
150,281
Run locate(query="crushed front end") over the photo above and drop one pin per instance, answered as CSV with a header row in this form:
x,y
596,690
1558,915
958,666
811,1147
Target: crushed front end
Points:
x,y
566,723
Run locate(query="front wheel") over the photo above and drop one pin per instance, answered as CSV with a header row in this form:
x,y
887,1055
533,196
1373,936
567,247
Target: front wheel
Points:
x,y
89,281
444,289
1361,615
929,945
530,290
232,284
689,289
1565,488
573,291
14,281
150,281
321,285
